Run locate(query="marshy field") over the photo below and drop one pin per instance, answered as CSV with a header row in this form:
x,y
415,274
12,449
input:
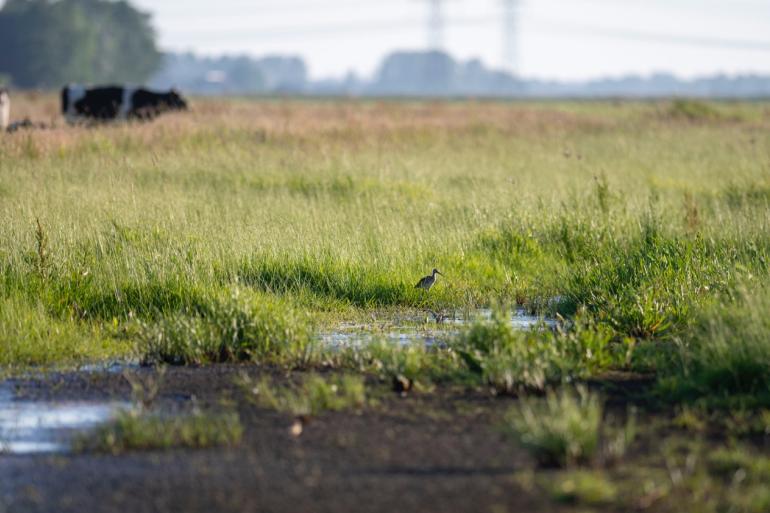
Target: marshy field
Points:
x,y
216,311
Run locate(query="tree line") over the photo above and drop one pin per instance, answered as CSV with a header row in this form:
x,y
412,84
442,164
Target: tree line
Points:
x,y
47,43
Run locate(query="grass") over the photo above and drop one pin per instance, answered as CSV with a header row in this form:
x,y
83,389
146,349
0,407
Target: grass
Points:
x,y
566,429
237,231
236,329
724,358
512,360
136,430
313,396
581,487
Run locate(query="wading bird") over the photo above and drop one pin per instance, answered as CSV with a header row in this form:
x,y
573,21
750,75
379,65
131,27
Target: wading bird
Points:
x,y
427,282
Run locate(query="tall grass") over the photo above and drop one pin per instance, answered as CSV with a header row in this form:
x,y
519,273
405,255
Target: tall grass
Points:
x,y
725,357
235,329
333,208
516,361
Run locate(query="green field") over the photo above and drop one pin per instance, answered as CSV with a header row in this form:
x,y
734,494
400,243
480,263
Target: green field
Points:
x,y
237,231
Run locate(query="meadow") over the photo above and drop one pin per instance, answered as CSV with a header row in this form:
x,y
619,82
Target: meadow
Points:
x,y
239,230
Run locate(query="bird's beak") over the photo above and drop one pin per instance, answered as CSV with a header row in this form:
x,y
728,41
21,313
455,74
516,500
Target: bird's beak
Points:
x,y
439,272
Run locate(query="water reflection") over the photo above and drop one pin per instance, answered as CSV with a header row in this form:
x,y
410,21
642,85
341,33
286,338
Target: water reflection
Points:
x,y
29,427
437,330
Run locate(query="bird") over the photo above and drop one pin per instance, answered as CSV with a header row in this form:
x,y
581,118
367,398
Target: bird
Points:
x,y
427,282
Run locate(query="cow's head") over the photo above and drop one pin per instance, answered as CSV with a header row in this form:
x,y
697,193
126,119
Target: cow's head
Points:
x,y
174,100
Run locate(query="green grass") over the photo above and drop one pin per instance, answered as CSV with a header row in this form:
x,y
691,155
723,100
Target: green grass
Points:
x,y
512,361
30,336
137,430
314,395
582,487
566,428
231,330
635,222
724,359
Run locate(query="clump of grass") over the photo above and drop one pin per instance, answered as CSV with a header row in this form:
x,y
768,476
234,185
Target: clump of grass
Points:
x,y
693,110
726,462
725,356
135,430
582,487
512,360
565,428
29,335
649,286
240,328
314,395
407,367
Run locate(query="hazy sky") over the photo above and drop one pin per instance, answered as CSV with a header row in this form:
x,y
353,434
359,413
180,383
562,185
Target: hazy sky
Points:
x,y
564,39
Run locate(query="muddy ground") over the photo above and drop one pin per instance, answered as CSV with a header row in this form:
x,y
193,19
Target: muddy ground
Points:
x,y
441,451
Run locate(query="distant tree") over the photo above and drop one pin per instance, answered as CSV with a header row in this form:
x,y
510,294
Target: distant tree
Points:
x,y
47,43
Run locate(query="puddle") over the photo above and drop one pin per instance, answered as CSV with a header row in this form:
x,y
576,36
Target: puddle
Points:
x,y
519,319
116,367
33,427
436,331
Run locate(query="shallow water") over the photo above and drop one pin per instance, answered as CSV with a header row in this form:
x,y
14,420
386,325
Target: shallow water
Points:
x,y
436,331
32,427
114,367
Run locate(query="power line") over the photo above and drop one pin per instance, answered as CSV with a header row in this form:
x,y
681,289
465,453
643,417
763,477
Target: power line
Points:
x,y
367,26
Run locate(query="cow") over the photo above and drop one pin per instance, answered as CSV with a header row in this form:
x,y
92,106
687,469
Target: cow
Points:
x,y
106,103
5,108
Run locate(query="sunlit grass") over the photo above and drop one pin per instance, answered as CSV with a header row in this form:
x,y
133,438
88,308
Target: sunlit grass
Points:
x,y
566,428
314,395
143,431
634,216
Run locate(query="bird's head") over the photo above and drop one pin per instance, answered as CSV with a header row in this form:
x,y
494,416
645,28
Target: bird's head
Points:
x,y
436,271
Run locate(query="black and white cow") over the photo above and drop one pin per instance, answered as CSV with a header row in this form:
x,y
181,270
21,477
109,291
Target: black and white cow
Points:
x,y
107,103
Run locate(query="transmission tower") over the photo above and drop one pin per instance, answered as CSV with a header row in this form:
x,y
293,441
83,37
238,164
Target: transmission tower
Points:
x,y
510,15
435,24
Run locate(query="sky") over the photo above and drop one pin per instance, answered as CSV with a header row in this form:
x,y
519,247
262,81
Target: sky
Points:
x,y
553,39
